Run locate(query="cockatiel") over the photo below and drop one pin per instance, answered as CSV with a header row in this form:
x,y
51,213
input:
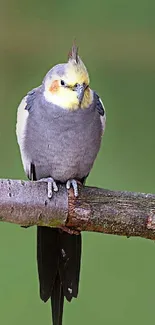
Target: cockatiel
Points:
x,y
59,130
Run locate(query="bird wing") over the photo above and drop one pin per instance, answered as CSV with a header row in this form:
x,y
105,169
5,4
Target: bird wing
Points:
x,y
101,110
24,108
30,98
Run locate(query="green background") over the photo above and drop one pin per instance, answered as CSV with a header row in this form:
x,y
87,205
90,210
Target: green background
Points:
x,y
117,43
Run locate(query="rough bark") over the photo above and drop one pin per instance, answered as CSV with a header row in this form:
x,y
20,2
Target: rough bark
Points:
x,y
112,212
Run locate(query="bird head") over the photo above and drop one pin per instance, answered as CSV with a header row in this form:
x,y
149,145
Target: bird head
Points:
x,y
67,85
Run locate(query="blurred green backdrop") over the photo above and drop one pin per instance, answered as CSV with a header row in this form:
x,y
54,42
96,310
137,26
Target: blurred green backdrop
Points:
x,y
117,43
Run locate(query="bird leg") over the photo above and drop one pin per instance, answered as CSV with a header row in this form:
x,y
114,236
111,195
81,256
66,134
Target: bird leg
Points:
x,y
51,185
73,183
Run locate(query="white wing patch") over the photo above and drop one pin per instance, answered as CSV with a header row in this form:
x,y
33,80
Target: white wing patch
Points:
x,y
103,118
22,115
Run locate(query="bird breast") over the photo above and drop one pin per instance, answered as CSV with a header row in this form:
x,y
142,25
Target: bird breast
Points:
x,y
62,144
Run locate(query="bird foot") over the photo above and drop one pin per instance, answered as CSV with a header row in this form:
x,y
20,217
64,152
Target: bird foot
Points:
x,y
72,183
51,186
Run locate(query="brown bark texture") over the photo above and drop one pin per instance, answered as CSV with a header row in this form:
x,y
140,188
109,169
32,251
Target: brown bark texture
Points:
x,y
99,210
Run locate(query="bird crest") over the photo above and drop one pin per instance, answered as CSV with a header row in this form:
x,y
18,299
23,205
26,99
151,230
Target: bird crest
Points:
x,y
75,68
73,53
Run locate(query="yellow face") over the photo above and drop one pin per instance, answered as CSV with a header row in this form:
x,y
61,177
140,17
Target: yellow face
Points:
x,y
65,91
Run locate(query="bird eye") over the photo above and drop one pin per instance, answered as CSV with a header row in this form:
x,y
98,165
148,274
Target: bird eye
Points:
x,y
75,86
62,82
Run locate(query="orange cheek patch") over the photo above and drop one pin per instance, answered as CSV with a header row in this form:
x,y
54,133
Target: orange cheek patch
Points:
x,y
54,86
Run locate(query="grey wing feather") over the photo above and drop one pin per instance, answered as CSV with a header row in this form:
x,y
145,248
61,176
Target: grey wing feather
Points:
x,y
31,95
99,105
101,110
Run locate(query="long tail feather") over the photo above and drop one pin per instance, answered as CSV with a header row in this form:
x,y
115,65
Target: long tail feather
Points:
x,y
57,301
59,256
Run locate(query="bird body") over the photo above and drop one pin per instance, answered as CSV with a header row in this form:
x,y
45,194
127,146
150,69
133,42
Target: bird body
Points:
x,y
67,141
59,129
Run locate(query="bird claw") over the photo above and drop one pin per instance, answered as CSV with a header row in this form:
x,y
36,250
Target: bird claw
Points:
x,y
51,186
73,183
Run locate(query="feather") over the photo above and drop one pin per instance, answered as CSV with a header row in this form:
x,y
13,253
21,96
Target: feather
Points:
x,y
73,53
58,256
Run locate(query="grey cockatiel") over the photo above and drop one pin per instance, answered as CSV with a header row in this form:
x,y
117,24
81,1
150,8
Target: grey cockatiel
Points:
x,y
59,129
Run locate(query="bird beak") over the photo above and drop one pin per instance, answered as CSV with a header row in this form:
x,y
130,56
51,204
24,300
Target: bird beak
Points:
x,y
80,89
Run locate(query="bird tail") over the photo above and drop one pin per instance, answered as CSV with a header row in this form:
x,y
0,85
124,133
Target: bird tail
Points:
x,y
58,256
57,301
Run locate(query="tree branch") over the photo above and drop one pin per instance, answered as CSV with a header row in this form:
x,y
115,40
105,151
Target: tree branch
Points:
x,y
99,210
